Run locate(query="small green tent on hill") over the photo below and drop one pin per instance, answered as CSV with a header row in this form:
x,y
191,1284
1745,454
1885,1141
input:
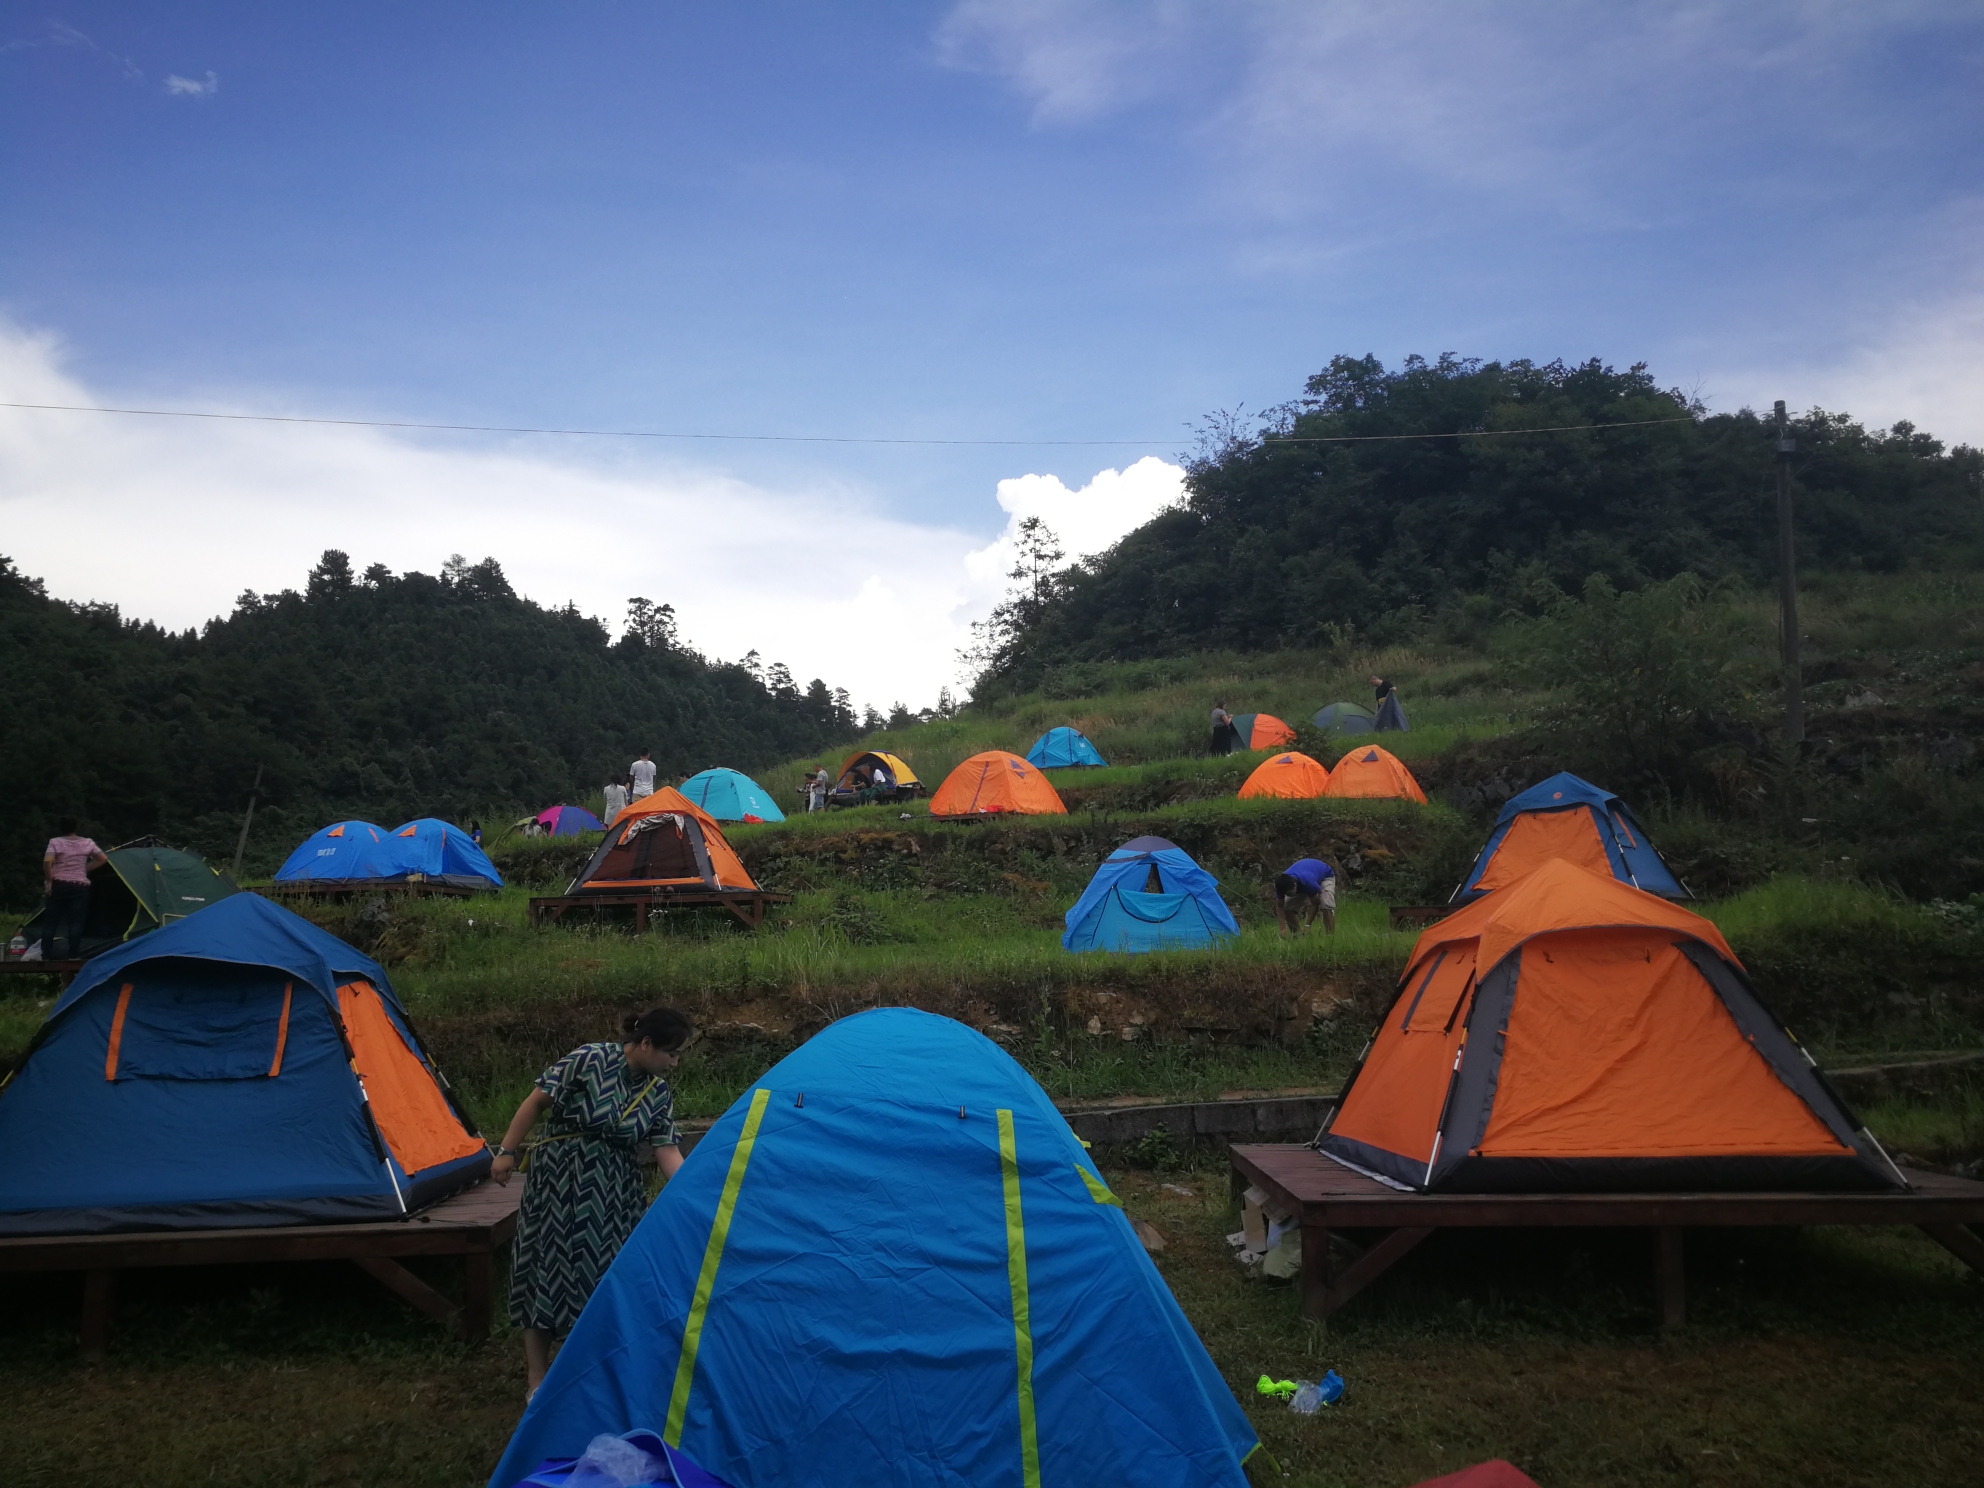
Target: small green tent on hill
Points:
x,y
144,885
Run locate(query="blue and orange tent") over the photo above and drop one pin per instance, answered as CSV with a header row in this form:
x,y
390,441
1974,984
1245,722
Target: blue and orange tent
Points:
x,y
1565,817
433,851
891,1262
338,853
238,1067
1149,895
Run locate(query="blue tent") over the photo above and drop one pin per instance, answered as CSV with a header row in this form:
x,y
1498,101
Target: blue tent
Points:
x,y
1148,896
729,796
337,854
891,1263
1565,817
440,852
237,1067
1059,748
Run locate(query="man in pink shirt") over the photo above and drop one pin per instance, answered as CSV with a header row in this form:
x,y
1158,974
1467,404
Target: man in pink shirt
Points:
x,y
65,873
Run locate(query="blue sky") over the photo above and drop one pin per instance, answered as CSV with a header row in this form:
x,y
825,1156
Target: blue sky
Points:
x,y
985,221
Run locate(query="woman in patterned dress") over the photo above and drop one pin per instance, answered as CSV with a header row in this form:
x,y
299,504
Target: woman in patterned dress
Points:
x,y
605,1108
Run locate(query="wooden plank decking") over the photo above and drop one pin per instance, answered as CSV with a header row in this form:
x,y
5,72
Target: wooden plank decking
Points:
x,y
474,1225
1328,1197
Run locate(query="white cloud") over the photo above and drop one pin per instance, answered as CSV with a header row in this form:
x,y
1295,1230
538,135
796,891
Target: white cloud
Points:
x,y
172,518
185,87
1086,521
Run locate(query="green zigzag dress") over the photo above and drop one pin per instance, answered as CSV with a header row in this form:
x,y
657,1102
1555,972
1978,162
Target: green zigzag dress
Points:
x,y
584,1192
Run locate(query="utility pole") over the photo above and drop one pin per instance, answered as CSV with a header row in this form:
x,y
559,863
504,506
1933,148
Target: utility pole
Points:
x,y
241,846
1787,588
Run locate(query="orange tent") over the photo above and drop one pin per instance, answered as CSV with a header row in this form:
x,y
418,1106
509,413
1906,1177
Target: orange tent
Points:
x,y
1571,1032
996,781
663,841
1293,777
1369,772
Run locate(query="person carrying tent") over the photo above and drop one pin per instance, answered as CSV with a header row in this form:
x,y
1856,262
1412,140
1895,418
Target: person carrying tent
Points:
x,y
65,882
1304,889
641,772
605,1107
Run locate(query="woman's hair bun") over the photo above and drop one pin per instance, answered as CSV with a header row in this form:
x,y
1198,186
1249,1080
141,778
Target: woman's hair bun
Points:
x,y
665,1028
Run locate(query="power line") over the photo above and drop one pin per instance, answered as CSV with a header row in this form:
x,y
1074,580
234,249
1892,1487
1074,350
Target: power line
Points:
x,y
355,423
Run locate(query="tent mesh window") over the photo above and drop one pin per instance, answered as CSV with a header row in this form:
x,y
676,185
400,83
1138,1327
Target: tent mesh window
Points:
x,y
655,847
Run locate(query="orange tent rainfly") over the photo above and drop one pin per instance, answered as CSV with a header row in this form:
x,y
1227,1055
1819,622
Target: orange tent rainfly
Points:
x,y
992,782
1260,731
663,841
1571,1032
1293,777
1368,772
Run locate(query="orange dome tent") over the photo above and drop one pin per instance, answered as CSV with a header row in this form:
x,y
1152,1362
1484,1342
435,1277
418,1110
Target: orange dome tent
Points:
x,y
1369,772
1293,777
1573,1033
1260,731
663,841
996,781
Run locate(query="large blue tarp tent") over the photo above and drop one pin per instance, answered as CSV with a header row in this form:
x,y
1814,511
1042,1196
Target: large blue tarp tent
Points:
x,y
336,854
891,1263
1565,817
1148,895
1060,748
730,796
440,852
237,1067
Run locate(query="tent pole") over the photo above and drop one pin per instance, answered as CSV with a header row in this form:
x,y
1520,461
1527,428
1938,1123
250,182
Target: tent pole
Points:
x,y
241,846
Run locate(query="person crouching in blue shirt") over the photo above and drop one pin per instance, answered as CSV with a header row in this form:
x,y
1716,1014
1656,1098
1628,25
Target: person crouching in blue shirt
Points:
x,y
1306,888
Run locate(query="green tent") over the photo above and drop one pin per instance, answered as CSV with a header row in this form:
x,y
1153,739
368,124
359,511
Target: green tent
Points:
x,y
144,885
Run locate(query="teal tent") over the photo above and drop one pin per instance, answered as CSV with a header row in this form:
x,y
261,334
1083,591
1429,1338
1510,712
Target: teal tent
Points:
x,y
730,796
1060,748
891,1263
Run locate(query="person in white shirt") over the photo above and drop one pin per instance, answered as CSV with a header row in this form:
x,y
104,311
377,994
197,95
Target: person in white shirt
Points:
x,y
643,776
616,800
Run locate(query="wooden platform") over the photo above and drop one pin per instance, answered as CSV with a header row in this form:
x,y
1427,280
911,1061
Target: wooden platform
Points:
x,y
1330,1198
421,889
65,969
748,905
474,1225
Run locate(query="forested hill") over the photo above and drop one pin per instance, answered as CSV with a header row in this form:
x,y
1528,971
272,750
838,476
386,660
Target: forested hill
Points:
x,y
385,697
1325,517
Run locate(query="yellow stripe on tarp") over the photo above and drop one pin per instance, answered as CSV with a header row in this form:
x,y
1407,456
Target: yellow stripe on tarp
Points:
x,y
1096,1190
692,1334
1009,1163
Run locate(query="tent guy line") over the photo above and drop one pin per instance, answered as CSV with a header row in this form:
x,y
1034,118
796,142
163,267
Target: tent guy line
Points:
x,y
280,418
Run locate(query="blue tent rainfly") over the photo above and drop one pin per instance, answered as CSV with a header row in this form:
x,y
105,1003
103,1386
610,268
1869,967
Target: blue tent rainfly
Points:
x,y
1060,748
731,796
890,1262
1148,895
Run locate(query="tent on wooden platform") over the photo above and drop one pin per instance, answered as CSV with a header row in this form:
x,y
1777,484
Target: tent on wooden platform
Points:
x,y
1572,1033
143,885
663,841
891,1262
429,850
1370,773
1565,817
729,795
1293,777
994,783
1149,895
239,1067
340,853
1063,748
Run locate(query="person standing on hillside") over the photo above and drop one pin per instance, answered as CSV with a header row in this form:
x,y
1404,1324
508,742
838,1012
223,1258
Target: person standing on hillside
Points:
x,y
816,790
1222,729
605,1106
616,800
642,774
1303,890
65,881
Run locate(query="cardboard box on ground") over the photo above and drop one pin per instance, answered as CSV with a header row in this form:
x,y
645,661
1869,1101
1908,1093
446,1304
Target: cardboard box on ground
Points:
x,y
1269,1237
